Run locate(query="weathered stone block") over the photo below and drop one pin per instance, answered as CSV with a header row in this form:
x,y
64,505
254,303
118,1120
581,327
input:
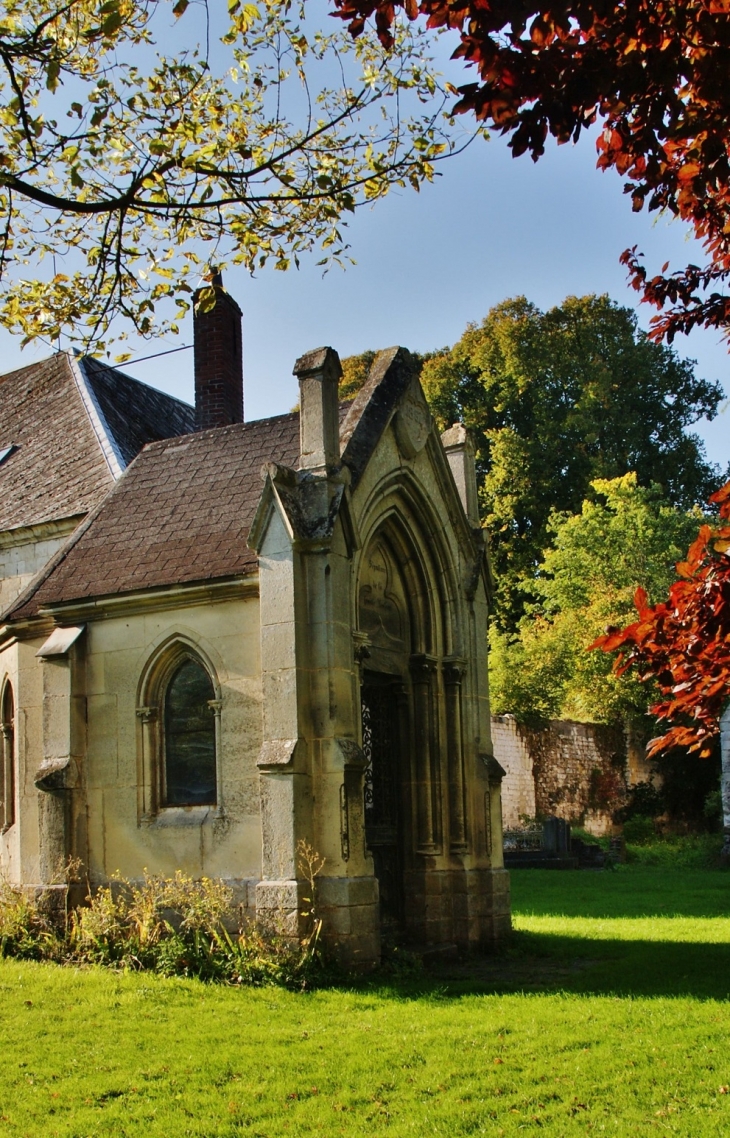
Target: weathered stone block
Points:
x,y
333,891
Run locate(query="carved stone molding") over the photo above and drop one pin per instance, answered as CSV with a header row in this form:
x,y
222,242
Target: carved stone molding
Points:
x,y
412,424
57,774
352,754
147,714
454,669
361,649
496,771
276,753
423,668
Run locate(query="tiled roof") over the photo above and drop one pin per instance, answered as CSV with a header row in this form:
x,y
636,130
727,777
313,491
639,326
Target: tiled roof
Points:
x,y
75,424
180,514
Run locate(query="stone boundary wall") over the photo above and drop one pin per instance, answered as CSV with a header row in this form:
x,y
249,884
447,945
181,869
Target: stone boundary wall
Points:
x,y
518,786
575,771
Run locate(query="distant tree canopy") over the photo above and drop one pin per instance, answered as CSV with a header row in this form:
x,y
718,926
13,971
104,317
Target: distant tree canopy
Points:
x,y
355,370
557,400
625,536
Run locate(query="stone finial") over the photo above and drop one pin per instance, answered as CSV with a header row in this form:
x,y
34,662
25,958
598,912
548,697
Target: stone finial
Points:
x,y
319,374
457,443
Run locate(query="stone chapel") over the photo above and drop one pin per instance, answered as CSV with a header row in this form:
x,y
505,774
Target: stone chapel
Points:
x,y
222,637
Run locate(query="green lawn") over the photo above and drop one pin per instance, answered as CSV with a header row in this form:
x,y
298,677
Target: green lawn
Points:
x,y
608,1015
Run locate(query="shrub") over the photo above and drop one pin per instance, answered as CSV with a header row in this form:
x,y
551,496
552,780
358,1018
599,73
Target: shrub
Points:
x,y
674,851
639,830
645,800
712,810
686,783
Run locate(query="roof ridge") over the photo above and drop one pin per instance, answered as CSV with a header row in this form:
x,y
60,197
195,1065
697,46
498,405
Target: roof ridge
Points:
x,y
104,435
133,379
200,436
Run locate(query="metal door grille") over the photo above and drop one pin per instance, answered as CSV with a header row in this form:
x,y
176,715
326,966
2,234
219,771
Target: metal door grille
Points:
x,y
382,793
380,745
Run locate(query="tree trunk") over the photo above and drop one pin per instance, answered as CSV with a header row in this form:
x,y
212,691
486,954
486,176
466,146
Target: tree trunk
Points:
x,y
725,778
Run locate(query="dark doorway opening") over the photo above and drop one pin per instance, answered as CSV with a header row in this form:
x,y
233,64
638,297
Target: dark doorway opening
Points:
x,y
381,729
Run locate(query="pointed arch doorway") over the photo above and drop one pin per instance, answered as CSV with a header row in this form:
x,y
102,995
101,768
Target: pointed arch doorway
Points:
x,y
390,608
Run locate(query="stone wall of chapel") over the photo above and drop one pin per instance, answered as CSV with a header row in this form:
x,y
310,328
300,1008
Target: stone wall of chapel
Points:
x,y
107,830
24,552
19,845
224,841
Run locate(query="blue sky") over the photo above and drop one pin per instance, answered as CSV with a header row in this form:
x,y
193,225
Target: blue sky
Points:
x,y
489,228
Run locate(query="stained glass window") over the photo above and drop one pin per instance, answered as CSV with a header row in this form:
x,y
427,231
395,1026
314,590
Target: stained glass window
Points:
x,y
189,726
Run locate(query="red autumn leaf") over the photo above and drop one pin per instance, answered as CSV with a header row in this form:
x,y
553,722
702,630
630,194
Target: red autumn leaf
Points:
x,y
650,72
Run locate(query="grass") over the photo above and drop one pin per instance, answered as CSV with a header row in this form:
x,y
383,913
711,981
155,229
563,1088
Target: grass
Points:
x,y
608,1015
688,851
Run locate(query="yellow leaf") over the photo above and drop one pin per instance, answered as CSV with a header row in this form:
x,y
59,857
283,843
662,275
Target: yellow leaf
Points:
x,y
206,300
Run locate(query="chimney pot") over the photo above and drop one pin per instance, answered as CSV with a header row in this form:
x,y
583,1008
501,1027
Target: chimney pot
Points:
x,y
218,353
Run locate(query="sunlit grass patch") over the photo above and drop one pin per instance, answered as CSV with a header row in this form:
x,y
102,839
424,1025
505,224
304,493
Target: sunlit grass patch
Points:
x,y
688,930
627,1035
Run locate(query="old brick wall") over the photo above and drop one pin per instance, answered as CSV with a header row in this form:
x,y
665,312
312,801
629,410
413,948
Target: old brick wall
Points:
x,y
575,771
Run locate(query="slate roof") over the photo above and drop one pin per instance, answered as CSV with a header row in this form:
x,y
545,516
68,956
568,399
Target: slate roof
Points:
x,y
76,424
135,413
180,514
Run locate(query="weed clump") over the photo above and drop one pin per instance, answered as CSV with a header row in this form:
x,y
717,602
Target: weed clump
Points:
x,y
645,846
174,926
28,929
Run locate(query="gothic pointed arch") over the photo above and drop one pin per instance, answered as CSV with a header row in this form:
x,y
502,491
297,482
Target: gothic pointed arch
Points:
x,y
410,629
401,511
179,713
7,774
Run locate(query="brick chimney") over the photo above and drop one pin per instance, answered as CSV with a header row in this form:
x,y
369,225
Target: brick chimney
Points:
x,y
218,356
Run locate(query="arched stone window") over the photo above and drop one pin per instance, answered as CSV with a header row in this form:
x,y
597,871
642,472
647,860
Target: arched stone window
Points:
x,y
179,732
189,737
7,774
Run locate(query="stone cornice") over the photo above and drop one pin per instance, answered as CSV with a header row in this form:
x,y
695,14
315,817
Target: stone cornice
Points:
x,y
130,604
41,531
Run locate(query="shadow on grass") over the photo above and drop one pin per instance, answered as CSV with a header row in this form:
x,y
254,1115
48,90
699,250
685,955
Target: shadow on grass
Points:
x,y
541,962
623,967
549,961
